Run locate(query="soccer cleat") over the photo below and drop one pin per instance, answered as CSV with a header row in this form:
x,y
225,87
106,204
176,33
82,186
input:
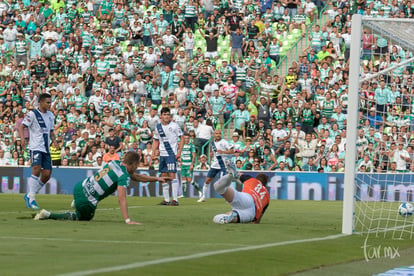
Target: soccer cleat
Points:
x,y
231,168
27,200
202,199
34,205
31,203
180,196
164,203
174,203
44,214
220,219
224,219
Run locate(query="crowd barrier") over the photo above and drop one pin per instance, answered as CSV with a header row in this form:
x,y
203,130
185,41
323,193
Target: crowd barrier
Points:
x,y
282,185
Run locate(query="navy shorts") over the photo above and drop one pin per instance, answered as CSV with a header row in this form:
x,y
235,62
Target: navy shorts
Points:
x,y
168,164
213,172
41,158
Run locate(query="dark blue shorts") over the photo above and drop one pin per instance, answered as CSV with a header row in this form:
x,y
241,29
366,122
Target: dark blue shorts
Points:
x,y
41,158
168,164
213,172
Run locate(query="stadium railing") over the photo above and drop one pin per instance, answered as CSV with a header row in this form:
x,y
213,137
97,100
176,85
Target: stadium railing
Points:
x,y
299,45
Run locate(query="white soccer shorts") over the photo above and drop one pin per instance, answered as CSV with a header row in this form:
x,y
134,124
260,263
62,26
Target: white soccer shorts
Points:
x,y
243,204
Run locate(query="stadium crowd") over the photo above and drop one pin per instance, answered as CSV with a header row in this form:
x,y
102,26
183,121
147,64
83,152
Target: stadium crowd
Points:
x,y
110,66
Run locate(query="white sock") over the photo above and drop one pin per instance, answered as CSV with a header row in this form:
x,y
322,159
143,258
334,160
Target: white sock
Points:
x,y
205,188
34,186
184,187
41,184
166,191
175,186
47,213
221,185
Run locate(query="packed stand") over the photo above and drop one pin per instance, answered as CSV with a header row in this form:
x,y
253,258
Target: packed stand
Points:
x,y
110,66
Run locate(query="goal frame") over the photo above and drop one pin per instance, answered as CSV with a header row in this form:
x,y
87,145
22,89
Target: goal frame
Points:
x,y
351,123
348,210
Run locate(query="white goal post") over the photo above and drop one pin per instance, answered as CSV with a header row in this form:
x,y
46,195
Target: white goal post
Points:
x,y
352,122
380,217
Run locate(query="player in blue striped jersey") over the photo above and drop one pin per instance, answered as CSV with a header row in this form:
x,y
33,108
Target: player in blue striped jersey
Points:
x,y
40,123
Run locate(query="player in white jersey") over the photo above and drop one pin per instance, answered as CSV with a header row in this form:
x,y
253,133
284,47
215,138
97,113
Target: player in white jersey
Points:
x,y
166,137
40,123
220,149
114,176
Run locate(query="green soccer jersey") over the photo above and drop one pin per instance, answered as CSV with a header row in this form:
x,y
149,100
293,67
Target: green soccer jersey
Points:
x,y
113,61
187,154
119,14
124,124
101,66
217,104
293,114
328,108
109,41
72,13
105,182
70,118
87,39
226,71
241,73
274,49
308,117
237,145
86,15
316,39
67,28
79,101
21,47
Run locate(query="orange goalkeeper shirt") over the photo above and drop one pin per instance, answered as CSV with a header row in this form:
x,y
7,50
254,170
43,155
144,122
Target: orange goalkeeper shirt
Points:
x,y
259,194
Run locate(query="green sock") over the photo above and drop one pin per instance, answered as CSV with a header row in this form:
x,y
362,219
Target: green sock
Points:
x,y
63,216
184,188
196,186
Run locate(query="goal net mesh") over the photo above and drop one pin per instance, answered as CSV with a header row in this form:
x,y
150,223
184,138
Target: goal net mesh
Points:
x,y
385,131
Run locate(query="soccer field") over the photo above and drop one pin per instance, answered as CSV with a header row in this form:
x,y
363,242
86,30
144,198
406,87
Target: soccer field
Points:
x,y
294,236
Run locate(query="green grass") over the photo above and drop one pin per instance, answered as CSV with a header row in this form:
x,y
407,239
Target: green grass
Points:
x,y
58,247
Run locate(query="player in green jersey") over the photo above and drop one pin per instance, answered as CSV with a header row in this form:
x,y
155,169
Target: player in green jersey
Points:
x,y
114,176
188,159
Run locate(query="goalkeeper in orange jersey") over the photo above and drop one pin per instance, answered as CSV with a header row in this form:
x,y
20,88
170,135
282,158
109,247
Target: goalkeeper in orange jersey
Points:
x,y
249,205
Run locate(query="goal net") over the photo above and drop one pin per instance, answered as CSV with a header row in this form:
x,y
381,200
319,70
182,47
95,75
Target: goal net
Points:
x,y
379,169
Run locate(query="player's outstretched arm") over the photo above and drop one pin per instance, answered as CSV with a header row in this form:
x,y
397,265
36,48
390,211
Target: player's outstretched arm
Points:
x,y
21,135
124,206
146,178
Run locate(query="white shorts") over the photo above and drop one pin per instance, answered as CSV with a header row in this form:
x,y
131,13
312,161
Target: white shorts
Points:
x,y
243,204
211,55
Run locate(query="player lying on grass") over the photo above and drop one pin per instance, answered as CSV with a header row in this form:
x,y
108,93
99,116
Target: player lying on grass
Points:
x,y
248,205
114,176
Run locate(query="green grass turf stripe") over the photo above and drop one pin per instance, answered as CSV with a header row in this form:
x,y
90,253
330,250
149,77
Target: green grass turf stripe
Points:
x,y
118,242
198,255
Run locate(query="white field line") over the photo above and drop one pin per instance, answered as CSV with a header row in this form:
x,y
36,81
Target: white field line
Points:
x,y
117,242
197,255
